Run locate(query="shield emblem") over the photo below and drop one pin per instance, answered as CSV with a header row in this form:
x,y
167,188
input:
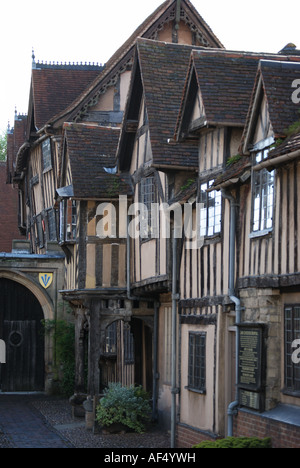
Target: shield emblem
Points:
x,y
45,279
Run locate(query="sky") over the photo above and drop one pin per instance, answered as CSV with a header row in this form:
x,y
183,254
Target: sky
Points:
x,y
92,30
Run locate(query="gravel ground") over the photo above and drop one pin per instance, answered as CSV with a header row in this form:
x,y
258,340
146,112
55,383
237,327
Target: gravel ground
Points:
x,y
58,414
4,441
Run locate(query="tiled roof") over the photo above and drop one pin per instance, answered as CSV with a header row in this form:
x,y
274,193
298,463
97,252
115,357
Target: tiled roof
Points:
x,y
233,173
163,69
278,78
147,29
290,145
226,82
55,88
91,149
276,73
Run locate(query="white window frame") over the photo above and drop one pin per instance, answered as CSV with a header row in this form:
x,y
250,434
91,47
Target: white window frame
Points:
x,y
263,196
211,211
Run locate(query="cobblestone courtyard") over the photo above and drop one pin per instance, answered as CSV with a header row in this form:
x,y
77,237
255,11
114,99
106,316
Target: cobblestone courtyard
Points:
x,y
37,421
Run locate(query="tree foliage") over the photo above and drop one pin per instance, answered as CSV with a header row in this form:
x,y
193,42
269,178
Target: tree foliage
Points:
x,y
63,334
3,146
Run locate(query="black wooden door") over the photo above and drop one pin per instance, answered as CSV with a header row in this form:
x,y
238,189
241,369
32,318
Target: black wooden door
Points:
x,y
22,331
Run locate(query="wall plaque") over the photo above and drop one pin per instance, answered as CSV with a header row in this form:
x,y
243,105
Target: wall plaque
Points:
x,y
251,366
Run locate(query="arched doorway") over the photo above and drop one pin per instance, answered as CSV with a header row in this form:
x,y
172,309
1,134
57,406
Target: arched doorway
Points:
x,y
21,328
126,355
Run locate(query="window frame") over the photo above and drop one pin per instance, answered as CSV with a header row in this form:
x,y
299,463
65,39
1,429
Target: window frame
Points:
x,y
264,181
111,339
47,155
197,342
39,231
205,197
51,216
147,198
67,221
128,340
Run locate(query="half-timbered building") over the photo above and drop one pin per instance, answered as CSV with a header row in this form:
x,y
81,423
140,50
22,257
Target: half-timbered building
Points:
x,y
160,170
267,237
35,267
112,162
215,107
263,185
56,208
99,270
212,117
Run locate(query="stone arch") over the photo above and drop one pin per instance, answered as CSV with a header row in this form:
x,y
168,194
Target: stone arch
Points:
x,y
48,311
41,295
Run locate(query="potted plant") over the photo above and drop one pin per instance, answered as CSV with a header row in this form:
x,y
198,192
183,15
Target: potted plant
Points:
x,y
123,408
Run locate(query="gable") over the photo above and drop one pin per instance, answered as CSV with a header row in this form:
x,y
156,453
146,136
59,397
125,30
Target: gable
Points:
x,y
89,162
263,128
159,75
175,21
272,110
191,115
219,84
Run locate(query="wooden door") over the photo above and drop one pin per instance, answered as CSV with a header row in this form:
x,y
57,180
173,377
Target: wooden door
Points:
x,y
22,331
143,366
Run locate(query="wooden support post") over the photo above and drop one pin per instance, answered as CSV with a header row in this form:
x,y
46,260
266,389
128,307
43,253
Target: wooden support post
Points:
x,y
80,321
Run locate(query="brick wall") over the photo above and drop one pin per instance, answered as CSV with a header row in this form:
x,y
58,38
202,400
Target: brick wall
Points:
x,y
283,435
188,436
246,424
8,212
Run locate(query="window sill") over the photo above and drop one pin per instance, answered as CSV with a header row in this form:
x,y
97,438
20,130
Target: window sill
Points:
x,y
144,240
48,169
212,239
264,233
291,393
67,242
196,390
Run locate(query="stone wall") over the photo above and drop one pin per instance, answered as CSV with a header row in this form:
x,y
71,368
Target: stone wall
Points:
x,y
265,306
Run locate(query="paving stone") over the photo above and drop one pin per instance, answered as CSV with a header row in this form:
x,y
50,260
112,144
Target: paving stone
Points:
x,y
24,427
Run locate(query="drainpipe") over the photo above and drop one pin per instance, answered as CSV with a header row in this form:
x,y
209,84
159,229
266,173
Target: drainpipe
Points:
x,y
155,360
232,408
174,389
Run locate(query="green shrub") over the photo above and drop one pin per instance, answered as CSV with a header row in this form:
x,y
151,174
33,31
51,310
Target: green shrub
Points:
x,y
129,406
63,334
236,442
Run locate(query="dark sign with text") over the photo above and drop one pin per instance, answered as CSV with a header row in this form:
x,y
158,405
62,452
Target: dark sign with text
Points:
x,y
251,365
